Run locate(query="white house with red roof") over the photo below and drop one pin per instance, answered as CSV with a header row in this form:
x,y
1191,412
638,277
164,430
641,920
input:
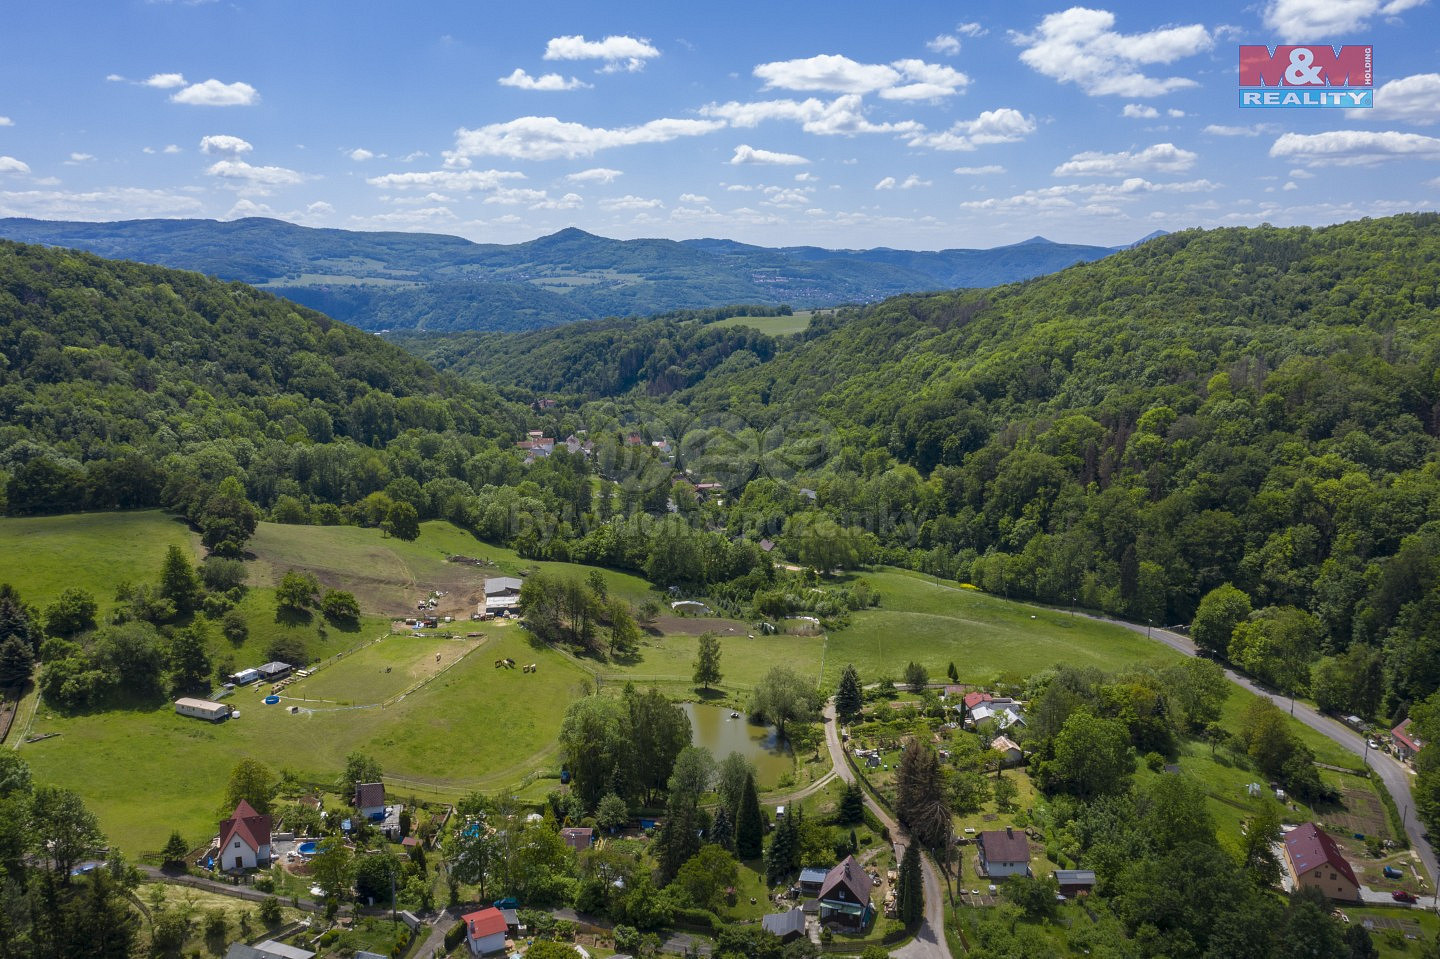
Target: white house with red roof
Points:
x,y
1407,744
485,931
244,840
1315,862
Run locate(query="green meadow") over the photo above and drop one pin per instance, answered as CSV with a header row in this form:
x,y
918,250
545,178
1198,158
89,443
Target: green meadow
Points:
x,y
772,325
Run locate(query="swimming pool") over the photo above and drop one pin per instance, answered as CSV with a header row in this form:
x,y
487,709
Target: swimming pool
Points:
x,y
306,848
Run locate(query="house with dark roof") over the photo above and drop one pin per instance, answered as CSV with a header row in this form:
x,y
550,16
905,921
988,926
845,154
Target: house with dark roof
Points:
x,y
370,800
578,838
1315,862
1075,882
244,840
1407,744
789,926
1004,852
485,931
269,949
844,897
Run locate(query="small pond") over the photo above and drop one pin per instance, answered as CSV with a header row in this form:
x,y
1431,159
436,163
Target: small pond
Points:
x,y
713,728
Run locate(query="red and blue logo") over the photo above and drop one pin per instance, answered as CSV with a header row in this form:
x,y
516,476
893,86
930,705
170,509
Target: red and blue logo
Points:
x,y
1308,76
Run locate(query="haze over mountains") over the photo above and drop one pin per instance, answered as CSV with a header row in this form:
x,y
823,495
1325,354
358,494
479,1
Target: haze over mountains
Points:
x,y
418,281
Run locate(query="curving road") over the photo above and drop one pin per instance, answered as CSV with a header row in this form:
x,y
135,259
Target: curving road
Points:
x,y
1391,771
929,941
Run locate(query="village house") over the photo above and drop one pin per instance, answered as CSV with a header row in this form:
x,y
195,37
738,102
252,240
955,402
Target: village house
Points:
x,y
269,949
1003,712
1406,743
244,840
370,800
578,838
485,931
1315,862
845,895
1004,852
1010,751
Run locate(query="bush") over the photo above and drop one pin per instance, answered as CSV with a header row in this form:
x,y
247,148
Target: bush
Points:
x,y
1155,762
702,919
270,911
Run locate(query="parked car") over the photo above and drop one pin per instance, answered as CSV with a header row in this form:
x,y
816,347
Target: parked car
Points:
x,y
1400,895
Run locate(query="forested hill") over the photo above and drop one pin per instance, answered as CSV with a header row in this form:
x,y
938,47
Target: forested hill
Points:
x,y
128,385
1251,406
415,281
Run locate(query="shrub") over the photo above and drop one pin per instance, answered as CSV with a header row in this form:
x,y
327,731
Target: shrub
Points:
x,y
455,936
270,911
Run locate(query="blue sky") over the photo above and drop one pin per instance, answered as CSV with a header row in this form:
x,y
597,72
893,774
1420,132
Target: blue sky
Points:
x,y
842,124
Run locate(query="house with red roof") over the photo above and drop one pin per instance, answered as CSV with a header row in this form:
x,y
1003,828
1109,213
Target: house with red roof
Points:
x,y
578,838
1407,744
485,931
244,840
1315,862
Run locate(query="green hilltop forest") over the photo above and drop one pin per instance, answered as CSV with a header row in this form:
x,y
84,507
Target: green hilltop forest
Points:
x,y
1257,407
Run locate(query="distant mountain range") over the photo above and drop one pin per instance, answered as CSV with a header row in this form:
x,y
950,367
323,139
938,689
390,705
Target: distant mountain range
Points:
x,y
423,281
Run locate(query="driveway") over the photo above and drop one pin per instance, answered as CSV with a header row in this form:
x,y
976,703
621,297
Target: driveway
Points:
x,y
929,941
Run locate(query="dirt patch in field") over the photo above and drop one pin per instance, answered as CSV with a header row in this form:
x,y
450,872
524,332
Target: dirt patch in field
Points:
x,y
695,625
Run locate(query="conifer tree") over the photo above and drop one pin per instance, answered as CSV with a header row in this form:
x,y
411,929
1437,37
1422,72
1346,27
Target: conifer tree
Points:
x,y
749,827
848,697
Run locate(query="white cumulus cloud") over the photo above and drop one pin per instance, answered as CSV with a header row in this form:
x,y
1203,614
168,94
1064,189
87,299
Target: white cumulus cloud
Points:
x,y
78,158
979,170
1160,158
1139,111
628,202
461,181
6,122
1355,147
213,93
902,80
254,176
619,53
925,81
597,174
1004,125
165,81
549,82
694,198
1305,21
944,44
13,166
221,145
548,138
1412,99
843,116
360,155
1081,46
111,204
745,153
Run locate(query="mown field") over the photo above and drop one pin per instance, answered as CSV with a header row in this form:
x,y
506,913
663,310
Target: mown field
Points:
x,y
772,325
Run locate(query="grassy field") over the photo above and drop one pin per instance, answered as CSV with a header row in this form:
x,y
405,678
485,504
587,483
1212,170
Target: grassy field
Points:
x,y
986,637
147,771
41,556
389,575
772,325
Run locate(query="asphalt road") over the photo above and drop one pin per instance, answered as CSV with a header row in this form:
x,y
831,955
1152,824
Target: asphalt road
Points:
x,y
1391,771
929,941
